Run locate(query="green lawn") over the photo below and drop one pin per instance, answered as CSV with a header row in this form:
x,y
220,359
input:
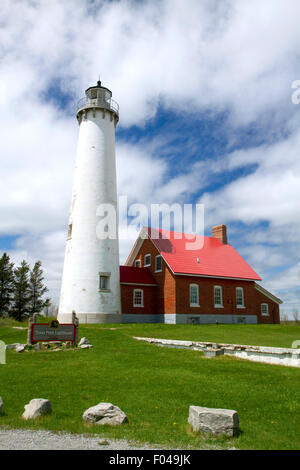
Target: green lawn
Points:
x,y
155,385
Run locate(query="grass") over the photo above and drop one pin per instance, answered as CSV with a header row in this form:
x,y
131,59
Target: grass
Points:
x,y
155,386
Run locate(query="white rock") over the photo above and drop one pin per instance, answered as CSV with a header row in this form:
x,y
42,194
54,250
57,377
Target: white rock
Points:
x,y
36,407
86,346
213,420
105,413
83,341
1,404
13,345
20,348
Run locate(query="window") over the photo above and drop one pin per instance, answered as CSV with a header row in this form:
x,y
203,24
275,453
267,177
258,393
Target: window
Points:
x,y
158,263
218,296
147,260
104,281
194,295
137,263
138,298
264,310
69,232
240,297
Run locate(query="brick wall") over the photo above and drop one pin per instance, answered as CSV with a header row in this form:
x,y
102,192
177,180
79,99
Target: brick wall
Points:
x,y
149,299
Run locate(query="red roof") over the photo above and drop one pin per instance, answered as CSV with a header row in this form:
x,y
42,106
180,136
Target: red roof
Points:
x,y
133,275
211,258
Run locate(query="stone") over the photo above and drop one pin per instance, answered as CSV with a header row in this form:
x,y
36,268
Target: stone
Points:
x,y
86,346
212,352
1,404
105,413
214,420
37,346
36,408
13,345
83,341
20,348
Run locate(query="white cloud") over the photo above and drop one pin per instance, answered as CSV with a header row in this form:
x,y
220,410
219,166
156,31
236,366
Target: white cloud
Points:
x,y
238,57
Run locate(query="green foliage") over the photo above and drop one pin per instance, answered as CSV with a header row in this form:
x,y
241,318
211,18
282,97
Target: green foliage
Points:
x,y
21,289
6,284
36,290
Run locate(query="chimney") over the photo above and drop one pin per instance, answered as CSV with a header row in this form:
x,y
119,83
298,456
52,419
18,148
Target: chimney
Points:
x,y
220,232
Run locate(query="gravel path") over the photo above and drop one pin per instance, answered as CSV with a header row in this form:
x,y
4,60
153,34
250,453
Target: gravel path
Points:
x,y
18,439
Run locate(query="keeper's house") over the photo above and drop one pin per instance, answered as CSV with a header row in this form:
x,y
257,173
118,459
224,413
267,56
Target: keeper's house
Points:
x,y
166,281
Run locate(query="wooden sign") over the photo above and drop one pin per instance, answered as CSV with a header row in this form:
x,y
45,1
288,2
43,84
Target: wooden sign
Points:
x,y
53,332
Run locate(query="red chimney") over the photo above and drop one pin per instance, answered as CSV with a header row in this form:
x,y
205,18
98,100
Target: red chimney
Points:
x,y
220,232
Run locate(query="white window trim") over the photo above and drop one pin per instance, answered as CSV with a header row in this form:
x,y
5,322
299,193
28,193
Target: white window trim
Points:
x,y
264,314
149,264
142,298
191,303
137,261
243,304
221,304
158,270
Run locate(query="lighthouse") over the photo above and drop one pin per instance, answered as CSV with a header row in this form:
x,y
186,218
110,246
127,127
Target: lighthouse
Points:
x,y
91,275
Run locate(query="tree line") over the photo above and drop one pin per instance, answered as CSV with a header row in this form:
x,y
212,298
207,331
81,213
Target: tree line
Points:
x,y
22,289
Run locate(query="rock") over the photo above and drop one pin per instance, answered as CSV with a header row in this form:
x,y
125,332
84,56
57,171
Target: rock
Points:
x,y
105,413
213,352
86,346
1,404
37,346
36,408
20,348
13,345
83,341
214,420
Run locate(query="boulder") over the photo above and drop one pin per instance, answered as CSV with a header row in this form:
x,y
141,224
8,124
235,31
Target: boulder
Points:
x,y
20,348
83,341
105,413
1,404
36,408
86,346
214,420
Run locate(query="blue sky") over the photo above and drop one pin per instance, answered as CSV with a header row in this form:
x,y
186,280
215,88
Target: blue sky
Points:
x,y
206,116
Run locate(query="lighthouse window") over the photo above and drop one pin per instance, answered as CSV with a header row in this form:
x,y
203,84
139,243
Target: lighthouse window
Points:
x,y
69,231
103,282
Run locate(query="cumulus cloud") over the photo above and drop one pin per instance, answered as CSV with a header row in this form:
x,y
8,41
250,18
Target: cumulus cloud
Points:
x,y
236,58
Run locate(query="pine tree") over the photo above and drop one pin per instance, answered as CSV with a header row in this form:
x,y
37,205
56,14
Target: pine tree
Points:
x,y
21,295
6,284
37,289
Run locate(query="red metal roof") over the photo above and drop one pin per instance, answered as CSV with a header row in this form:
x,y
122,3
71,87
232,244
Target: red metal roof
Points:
x,y
133,275
211,258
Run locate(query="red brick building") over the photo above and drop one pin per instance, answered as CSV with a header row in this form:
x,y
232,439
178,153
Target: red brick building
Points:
x,y
170,278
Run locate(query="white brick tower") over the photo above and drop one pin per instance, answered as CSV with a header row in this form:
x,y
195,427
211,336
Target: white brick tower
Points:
x,y
91,278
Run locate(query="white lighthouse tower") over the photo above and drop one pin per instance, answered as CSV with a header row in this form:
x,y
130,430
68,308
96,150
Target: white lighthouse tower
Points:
x,y
91,278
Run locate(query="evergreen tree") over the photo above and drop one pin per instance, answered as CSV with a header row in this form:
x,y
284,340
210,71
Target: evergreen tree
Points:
x,y
6,284
21,295
37,289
